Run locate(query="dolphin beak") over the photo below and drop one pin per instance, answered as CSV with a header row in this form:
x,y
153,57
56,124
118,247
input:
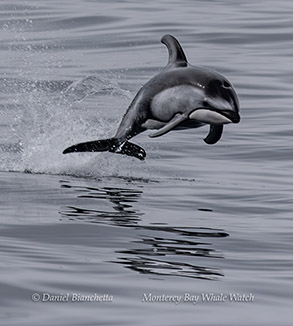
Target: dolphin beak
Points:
x,y
233,116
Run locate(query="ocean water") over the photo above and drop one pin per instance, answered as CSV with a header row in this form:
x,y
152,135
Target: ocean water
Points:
x,y
195,234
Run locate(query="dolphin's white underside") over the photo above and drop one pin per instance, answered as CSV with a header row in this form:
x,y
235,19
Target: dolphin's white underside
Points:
x,y
209,117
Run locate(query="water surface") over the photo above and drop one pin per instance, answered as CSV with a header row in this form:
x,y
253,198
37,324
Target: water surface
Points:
x,y
190,221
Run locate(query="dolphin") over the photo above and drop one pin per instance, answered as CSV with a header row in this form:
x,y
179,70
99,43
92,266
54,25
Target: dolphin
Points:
x,y
180,96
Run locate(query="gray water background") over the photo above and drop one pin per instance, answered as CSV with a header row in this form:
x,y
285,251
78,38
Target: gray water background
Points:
x,y
192,218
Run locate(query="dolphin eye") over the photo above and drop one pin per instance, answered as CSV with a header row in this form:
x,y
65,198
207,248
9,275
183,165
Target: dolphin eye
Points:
x,y
205,103
226,84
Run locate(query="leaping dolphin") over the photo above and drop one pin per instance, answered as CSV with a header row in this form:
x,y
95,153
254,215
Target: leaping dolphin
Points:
x,y
180,96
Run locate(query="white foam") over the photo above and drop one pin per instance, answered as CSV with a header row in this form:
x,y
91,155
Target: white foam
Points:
x,y
47,123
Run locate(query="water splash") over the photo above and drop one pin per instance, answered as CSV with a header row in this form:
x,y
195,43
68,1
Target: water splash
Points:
x,y
51,117
90,85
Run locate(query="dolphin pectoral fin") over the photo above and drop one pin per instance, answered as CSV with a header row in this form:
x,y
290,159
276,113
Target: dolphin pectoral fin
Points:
x,y
214,134
175,121
153,124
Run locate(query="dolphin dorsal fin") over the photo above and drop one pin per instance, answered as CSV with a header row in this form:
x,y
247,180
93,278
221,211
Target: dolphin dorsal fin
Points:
x,y
176,54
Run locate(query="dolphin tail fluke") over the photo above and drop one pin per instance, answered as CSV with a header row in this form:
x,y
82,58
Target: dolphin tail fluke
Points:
x,y
102,145
111,145
131,149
